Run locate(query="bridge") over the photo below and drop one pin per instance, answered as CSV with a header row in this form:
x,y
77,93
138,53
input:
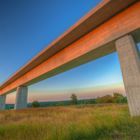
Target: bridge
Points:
x,y
111,26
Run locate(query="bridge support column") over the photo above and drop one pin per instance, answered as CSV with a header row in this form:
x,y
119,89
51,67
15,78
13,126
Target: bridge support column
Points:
x,y
2,102
130,65
21,97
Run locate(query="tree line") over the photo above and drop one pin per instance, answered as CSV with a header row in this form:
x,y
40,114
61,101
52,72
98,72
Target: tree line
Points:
x,y
115,98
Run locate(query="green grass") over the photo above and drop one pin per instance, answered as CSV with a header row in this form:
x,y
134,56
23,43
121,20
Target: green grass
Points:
x,y
94,122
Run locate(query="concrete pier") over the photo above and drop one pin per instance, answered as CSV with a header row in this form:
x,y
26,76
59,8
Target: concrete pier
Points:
x,y
130,65
2,102
21,97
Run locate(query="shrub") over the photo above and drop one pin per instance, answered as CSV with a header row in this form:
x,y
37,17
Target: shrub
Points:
x,y
35,104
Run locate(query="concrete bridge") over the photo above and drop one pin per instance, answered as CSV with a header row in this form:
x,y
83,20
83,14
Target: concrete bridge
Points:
x,y
114,25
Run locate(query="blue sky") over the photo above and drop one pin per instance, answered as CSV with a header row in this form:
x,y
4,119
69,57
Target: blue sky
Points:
x,y
28,26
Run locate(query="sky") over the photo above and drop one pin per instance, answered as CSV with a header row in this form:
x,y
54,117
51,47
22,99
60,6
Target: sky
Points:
x,y
28,26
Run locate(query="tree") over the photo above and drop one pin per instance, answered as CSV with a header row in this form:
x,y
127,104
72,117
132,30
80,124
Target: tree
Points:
x,y
119,98
105,99
74,99
35,104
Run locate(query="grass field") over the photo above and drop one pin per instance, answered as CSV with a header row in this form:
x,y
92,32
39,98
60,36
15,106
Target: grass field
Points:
x,y
93,122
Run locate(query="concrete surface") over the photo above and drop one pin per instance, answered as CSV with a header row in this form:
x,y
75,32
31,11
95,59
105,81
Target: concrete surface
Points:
x,y
2,102
130,65
21,97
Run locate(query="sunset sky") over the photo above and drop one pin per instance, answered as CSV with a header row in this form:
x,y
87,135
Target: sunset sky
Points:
x,y
28,26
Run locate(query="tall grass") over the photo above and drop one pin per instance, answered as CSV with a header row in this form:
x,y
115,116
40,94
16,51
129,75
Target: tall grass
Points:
x,y
107,122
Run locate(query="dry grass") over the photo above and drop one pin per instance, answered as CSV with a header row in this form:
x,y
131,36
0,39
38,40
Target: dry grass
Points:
x,y
107,122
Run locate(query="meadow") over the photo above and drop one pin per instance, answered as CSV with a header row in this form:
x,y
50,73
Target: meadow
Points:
x,y
89,122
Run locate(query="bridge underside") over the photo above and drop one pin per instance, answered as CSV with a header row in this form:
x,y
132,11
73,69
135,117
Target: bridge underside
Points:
x,y
118,33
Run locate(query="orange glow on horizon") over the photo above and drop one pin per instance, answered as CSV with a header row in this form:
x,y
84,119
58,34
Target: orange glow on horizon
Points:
x,y
82,93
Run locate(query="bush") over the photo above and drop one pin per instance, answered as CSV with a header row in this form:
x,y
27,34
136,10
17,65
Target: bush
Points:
x,y
35,104
119,98
105,99
116,98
